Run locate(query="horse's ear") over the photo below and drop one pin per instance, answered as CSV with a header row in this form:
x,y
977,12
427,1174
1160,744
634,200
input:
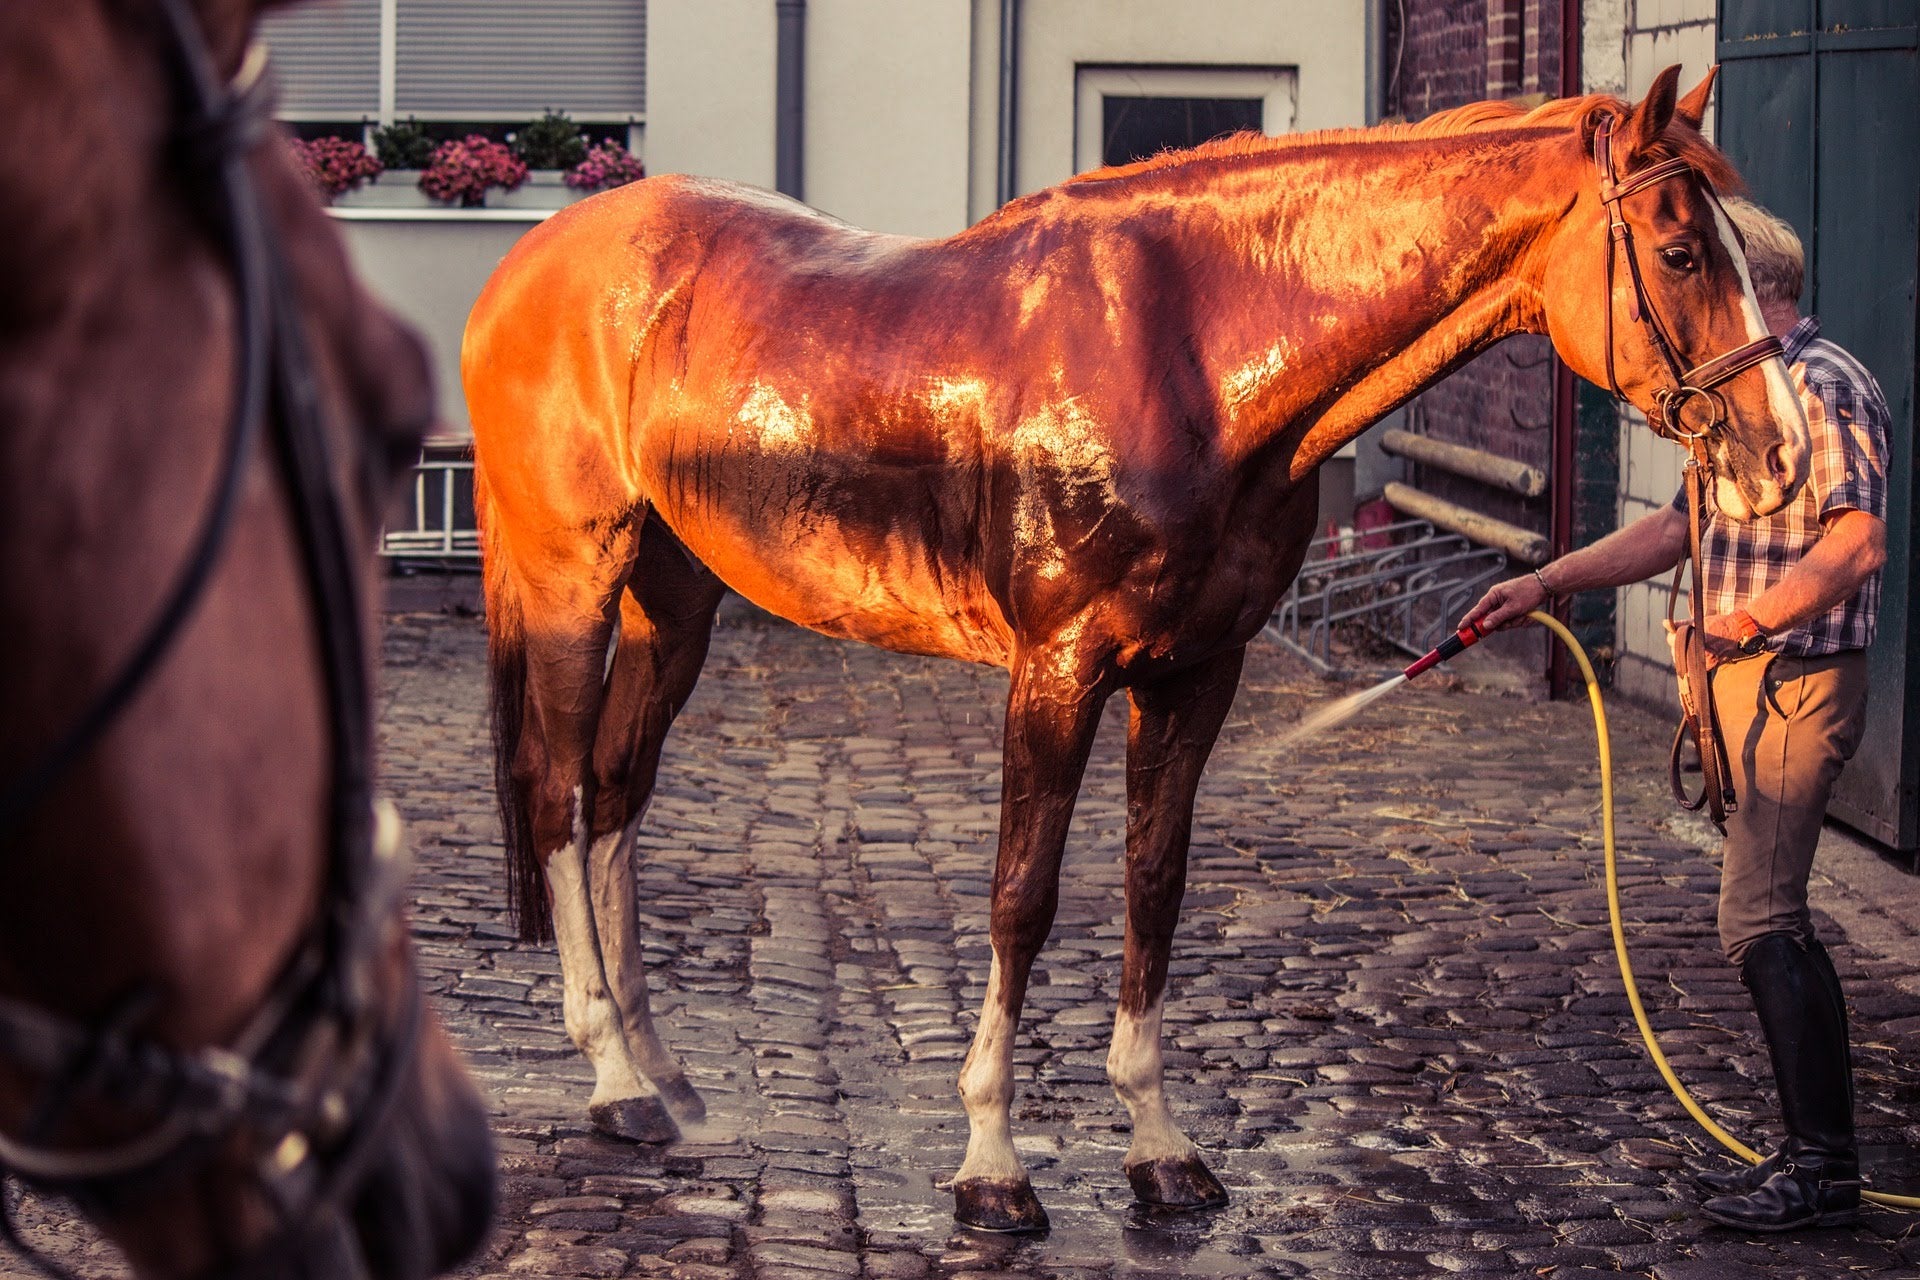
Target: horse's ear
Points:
x,y
1590,124
1649,119
1693,108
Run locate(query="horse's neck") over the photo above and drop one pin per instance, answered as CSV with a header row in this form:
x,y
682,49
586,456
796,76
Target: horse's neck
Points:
x,y
1367,271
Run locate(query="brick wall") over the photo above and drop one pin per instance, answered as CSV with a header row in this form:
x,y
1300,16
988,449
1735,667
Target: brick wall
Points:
x,y
1455,52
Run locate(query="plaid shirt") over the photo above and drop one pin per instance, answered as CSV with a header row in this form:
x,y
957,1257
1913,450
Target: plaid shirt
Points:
x,y
1849,473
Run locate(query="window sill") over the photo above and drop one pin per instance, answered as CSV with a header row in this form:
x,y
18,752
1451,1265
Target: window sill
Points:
x,y
396,194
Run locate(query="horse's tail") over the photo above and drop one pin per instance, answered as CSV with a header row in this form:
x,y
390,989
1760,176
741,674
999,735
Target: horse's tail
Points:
x,y
507,680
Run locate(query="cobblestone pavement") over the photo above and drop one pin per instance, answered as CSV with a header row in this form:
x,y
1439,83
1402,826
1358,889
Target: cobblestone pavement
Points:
x,y
1395,1022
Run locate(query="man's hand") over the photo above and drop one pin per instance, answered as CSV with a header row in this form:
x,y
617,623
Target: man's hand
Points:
x,y
1506,604
1722,639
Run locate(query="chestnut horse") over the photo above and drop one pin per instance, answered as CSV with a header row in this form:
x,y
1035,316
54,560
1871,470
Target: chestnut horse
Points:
x,y
1077,440
211,1034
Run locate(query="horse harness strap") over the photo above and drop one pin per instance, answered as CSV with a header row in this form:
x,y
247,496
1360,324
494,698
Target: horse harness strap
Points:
x,y
1699,717
315,1122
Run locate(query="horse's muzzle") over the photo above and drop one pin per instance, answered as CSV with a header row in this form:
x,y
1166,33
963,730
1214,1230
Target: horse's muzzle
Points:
x,y
428,1199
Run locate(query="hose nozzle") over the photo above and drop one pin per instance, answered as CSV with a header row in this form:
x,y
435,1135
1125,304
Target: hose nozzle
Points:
x,y
1452,647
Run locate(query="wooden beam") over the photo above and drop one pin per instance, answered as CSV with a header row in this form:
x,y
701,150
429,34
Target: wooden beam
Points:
x,y
1476,464
1523,545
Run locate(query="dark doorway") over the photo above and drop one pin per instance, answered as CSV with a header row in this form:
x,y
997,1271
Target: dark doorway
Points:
x,y
1133,128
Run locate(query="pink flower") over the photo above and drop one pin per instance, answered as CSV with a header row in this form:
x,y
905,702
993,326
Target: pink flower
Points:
x,y
466,170
607,165
336,164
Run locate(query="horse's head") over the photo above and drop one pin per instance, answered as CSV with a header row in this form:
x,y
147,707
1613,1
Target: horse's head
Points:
x,y
1647,292
211,1031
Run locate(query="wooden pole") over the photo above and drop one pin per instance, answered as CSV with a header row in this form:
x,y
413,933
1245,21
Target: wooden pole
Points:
x,y
1523,545
1477,464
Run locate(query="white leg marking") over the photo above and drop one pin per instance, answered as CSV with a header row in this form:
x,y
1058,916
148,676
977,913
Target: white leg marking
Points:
x,y
593,1020
986,1087
1135,1067
611,877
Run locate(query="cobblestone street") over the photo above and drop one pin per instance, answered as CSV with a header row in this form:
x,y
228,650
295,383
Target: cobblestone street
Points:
x,y
1395,1022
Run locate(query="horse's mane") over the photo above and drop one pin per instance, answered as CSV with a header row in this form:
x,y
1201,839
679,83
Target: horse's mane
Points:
x,y
1679,138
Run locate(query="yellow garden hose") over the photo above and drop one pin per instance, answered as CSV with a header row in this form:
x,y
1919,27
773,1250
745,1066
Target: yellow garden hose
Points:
x,y
1694,1109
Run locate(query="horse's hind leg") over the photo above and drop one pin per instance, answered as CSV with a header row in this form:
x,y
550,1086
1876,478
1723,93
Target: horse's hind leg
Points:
x,y
568,603
1053,709
1170,733
666,618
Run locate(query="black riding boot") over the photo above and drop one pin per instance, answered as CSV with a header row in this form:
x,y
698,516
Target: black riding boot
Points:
x,y
1752,1177
1815,1178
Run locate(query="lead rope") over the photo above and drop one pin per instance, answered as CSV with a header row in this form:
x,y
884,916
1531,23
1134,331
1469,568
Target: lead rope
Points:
x,y
1699,718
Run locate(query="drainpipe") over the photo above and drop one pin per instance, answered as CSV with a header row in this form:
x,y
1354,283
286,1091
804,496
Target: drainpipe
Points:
x,y
1566,392
1004,189
1376,61
789,97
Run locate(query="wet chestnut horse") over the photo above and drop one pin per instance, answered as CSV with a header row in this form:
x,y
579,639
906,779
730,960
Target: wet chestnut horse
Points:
x,y
1077,440
219,1056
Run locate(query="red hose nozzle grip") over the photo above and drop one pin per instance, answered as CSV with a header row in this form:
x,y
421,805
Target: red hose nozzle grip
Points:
x,y
1452,647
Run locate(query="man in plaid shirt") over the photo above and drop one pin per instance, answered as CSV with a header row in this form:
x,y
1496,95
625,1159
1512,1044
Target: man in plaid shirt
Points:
x,y
1791,601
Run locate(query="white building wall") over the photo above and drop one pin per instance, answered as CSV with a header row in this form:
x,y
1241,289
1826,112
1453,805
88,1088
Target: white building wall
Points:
x,y
888,98
1625,44
430,271
710,85
902,96
1324,39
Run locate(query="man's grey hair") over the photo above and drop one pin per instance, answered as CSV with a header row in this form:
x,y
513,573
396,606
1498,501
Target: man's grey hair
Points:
x,y
1775,259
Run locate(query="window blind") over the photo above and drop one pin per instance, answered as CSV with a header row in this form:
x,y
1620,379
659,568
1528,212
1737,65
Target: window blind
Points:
x,y
327,58
505,59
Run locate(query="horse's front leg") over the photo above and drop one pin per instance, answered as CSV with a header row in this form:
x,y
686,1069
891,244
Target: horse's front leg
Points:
x,y
1053,709
1169,737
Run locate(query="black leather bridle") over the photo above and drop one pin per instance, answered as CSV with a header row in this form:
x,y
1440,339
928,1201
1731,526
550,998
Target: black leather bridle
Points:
x,y
311,1082
1699,719
1698,382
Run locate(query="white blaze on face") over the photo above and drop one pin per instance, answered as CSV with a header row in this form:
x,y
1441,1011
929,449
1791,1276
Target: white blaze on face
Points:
x,y
1781,400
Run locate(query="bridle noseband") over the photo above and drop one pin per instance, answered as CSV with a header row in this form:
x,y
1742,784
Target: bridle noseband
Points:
x,y
313,1079
1669,403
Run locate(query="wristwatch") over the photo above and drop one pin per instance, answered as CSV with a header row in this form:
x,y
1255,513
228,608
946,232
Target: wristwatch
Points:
x,y
1751,638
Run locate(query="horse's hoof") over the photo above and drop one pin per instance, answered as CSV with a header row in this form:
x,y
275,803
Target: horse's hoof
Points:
x,y
998,1206
686,1104
636,1119
1183,1183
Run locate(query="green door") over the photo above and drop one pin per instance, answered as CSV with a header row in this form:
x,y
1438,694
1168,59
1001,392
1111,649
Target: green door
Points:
x,y
1820,109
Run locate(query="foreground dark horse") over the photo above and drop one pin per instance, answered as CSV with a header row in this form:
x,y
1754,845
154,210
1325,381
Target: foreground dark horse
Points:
x,y
1078,441
210,1031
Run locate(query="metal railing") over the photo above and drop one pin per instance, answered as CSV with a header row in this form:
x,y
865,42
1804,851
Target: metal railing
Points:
x,y
1403,583
437,524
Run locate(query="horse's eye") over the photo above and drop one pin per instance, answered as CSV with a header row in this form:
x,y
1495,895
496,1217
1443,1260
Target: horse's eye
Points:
x,y
1677,258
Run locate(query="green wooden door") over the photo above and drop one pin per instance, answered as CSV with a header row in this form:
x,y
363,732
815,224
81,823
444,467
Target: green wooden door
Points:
x,y
1820,109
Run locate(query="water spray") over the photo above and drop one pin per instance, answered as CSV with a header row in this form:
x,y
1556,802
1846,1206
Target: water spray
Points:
x,y
1337,713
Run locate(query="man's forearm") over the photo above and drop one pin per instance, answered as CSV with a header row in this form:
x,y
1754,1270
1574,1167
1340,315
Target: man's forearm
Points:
x,y
1853,547
1650,545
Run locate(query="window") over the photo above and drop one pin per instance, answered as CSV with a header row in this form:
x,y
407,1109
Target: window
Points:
x,y
492,63
1129,113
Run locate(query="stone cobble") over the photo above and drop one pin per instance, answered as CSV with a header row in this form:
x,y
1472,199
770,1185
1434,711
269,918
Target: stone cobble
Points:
x,y
1394,1020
